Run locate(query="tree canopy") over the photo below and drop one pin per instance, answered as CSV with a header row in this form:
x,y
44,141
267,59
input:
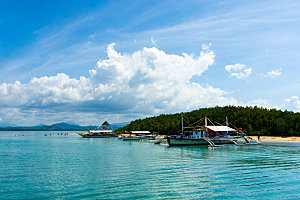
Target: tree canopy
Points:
x,y
252,120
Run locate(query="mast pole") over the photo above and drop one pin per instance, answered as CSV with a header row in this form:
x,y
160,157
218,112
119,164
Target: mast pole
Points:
x,y
227,124
182,123
205,124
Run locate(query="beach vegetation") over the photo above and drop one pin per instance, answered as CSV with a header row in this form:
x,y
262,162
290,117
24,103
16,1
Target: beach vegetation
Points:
x,y
253,121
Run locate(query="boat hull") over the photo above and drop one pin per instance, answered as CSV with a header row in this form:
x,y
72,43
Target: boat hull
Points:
x,y
131,138
201,141
97,135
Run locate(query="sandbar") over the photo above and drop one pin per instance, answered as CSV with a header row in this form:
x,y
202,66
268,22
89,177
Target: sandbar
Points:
x,y
277,139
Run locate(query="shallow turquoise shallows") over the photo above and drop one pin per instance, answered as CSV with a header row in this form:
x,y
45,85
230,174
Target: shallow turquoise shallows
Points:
x,y
35,166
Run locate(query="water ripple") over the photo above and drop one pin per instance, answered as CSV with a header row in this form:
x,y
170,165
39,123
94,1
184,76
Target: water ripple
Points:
x,y
77,168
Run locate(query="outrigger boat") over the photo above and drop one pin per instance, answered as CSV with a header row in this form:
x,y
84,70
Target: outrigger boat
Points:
x,y
98,134
103,133
136,135
210,135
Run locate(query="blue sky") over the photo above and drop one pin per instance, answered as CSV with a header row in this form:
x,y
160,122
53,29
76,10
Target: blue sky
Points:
x,y
85,62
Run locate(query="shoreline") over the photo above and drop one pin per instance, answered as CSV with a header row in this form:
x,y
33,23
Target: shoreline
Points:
x,y
277,139
262,138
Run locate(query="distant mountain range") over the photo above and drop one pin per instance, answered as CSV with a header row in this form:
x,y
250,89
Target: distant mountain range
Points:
x,y
59,127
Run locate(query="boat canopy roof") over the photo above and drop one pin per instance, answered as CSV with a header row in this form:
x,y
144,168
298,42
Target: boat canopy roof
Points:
x,y
140,132
101,131
220,128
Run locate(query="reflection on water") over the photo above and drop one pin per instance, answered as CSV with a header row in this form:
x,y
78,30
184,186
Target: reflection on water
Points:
x,y
71,167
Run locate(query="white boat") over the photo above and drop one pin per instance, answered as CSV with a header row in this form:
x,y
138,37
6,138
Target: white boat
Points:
x,y
131,138
140,132
98,134
137,135
209,135
103,133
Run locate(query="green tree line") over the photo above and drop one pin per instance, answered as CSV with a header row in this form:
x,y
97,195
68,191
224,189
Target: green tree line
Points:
x,y
252,120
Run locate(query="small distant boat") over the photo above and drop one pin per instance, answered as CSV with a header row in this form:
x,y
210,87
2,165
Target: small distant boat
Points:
x,y
137,135
131,138
209,135
105,132
98,134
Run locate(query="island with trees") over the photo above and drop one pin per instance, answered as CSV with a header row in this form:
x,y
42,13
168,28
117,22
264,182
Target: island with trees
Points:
x,y
252,120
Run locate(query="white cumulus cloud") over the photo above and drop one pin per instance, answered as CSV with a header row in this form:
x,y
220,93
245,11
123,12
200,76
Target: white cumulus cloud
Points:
x,y
273,73
239,71
147,82
45,90
156,81
292,103
260,103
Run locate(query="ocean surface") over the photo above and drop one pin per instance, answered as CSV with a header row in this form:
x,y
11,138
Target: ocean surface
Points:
x,y
34,166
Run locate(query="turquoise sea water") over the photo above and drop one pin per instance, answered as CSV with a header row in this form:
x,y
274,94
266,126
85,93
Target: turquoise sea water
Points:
x,y
35,166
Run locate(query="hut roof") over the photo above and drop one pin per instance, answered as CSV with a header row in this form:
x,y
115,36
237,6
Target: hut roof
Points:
x,y
105,123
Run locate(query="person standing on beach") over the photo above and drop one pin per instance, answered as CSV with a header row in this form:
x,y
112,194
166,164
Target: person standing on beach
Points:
x,y
258,137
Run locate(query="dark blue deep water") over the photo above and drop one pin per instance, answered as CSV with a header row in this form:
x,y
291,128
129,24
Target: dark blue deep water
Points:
x,y
35,166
